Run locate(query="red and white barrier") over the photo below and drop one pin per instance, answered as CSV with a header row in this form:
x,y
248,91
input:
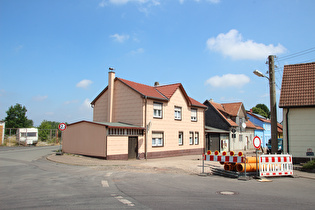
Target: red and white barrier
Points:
x,y
275,165
225,159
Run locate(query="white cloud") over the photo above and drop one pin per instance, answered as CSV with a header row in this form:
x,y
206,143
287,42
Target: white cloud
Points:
x,y
39,98
84,83
232,44
137,51
120,38
71,102
86,105
228,80
214,1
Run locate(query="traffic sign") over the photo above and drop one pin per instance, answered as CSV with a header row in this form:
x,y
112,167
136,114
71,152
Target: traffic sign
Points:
x,y
257,142
62,126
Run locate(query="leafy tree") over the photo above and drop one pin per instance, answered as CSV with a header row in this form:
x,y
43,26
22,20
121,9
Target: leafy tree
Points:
x,y
262,110
45,127
16,117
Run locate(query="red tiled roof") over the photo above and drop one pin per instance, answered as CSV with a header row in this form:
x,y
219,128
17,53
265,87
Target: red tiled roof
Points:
x,y
298,85
168,90
164,92
145,90
249,124
221,110
232,108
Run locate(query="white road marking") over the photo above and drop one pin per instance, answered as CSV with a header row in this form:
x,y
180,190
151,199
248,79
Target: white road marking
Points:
x,y
105,183
123,200
108,174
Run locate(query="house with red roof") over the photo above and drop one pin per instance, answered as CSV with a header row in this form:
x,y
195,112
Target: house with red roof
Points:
x,y
297,98
133,120
228,127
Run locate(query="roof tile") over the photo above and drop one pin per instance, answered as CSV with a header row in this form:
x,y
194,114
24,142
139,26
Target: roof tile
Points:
x,y
298,85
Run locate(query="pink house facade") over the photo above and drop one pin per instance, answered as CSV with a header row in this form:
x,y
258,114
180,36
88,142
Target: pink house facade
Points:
x,y
133,120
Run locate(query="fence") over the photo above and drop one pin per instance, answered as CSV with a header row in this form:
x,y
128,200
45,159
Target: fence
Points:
x,y
45,137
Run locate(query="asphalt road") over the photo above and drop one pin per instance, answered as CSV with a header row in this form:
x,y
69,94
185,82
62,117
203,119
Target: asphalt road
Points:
x,y
29,181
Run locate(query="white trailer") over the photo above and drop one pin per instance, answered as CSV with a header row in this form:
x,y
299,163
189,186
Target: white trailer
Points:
x,y
27,135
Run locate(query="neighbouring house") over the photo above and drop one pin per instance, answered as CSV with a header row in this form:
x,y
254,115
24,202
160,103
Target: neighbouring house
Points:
x,y
228,127
133,120
263,130
2,131
297,99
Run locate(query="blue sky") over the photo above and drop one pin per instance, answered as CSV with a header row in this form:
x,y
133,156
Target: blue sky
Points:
x,y
55,54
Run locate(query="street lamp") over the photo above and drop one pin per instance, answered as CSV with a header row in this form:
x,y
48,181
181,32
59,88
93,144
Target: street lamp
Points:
x,y
273,106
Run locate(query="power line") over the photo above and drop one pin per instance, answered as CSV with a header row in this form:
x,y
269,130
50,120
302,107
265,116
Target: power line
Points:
x,y
310,50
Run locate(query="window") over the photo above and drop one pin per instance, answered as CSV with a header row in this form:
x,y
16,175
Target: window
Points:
x,y
180,138
191,138
194,115
196,137
157,139
178,113
157,110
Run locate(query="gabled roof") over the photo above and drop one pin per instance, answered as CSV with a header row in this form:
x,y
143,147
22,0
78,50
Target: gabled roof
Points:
x,y
259,117
298,85
232,108
164,92
222,110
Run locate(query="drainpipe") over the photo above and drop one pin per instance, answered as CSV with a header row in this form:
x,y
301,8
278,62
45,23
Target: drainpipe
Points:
x,y
287,129
146,129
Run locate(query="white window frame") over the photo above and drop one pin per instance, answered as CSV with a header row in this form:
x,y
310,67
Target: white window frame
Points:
x,y
157,139
191,138
157,110
194,115
180,138
178,113
196,138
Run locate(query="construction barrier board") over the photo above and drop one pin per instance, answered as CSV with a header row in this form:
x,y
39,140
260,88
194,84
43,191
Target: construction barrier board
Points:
x,y
275,165
225,159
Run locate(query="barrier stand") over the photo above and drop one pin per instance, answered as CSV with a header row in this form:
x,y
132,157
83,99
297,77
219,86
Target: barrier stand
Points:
x,y
224,158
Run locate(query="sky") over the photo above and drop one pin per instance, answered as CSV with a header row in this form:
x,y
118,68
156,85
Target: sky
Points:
x,y
55,54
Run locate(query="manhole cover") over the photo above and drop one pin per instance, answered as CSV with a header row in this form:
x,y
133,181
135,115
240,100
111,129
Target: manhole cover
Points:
x,y
227,193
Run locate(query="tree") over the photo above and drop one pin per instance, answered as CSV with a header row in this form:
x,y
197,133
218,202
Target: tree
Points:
x,y
45,127
262,110
16,117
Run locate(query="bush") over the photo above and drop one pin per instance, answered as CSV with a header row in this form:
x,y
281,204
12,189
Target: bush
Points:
x,y
310,165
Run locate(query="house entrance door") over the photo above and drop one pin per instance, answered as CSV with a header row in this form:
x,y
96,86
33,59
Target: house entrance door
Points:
x,y
132,147
214,142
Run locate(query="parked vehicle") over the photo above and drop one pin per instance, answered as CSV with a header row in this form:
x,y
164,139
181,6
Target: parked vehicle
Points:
x,y
27,136
280,146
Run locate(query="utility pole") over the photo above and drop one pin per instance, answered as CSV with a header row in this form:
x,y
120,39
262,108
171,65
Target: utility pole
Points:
x,y
273,105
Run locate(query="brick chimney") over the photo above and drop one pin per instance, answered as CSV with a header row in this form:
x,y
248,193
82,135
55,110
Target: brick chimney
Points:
x,y
111,78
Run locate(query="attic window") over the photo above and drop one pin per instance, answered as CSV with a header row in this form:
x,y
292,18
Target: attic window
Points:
x,y
178,113
194,115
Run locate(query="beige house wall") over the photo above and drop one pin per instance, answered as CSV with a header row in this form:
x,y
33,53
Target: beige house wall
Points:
x,y
301,131
128,105
118,145
100,110
172,127
85,138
